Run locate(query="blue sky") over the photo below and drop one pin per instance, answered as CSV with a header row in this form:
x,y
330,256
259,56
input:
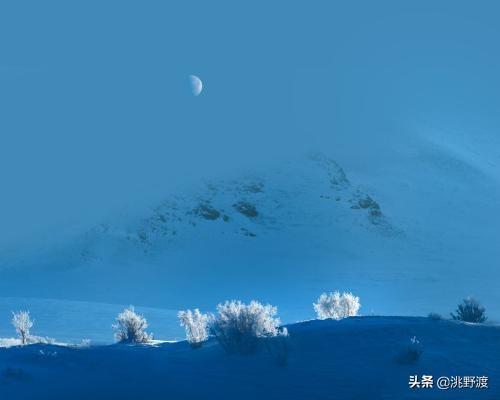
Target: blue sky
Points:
x,y
96,112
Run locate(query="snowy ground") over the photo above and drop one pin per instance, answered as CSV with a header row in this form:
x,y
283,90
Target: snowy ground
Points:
x,y
356,358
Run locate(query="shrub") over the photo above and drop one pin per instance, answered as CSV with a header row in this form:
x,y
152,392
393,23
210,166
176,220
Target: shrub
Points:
x,y
196,325
337,306
131,327
470,311
435,316
23,323
411,354
242,327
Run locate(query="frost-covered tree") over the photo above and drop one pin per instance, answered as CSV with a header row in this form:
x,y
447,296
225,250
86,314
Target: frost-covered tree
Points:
x,y
238,327
23,323
337,306
130,327
350,304
470,311
196,325
328,306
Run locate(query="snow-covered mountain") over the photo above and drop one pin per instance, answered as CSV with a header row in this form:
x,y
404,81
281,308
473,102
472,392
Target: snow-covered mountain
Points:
x,y
312,193
410,234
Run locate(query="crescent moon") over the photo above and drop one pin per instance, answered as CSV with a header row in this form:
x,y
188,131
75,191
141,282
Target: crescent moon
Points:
x,y
196,85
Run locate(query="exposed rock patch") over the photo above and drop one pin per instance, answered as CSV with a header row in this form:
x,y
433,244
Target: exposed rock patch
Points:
x,y
207,211
246,208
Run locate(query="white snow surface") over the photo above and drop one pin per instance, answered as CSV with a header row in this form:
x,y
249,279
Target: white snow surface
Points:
x,y
354,358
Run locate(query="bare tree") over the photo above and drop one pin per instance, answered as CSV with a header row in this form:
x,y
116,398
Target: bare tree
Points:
x,y
23,323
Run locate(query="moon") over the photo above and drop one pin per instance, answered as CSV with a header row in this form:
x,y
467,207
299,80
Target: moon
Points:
x,y
196,85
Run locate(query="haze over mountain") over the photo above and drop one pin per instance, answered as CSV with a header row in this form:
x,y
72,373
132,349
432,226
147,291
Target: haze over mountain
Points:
x,y
410,237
